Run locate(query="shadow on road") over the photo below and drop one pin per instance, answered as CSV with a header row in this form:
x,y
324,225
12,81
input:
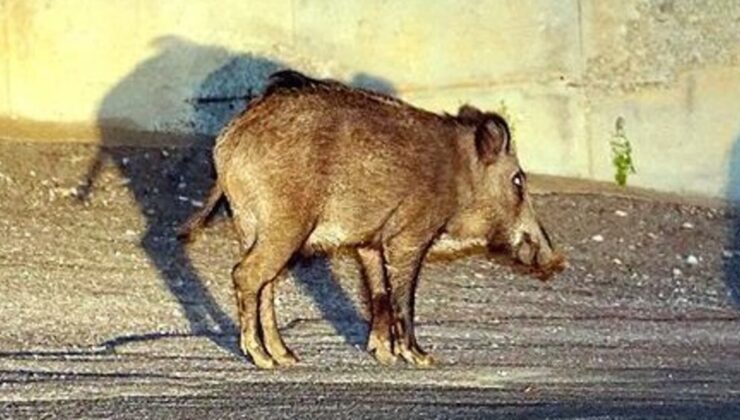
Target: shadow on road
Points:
x,y
732,261
169,182
314,275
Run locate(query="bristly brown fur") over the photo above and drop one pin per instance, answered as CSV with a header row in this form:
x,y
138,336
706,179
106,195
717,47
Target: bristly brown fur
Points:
x,y
290,80
542,272
317,165
438,256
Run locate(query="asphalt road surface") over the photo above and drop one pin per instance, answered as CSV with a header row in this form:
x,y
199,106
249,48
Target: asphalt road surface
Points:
x,y
104,314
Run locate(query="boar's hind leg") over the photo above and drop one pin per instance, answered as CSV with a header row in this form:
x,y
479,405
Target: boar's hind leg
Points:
x,y
261,265
403,260
380,340
270,333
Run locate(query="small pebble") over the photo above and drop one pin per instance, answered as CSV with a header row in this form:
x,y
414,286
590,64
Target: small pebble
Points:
x,y
196,203
676,272
617,261
620,213
687,225
727,253
692,260
597,238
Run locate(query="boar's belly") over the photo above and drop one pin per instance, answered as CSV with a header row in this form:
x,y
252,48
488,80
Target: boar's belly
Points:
x,y
328,237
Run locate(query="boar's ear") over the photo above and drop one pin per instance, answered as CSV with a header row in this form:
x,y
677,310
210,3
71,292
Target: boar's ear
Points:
x,y
468,113
492,138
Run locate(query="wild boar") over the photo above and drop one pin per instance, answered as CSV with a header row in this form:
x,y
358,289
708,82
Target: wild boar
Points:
x,y
314,165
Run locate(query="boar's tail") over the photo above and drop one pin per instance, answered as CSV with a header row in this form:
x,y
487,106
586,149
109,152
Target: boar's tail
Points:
x,y
194,222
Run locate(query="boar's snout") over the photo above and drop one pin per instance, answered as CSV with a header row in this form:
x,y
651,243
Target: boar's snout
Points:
x,y
535,250
532,252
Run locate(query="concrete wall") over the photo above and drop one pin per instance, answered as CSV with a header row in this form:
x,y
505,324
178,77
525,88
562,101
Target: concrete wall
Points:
x,y
563,70
671,69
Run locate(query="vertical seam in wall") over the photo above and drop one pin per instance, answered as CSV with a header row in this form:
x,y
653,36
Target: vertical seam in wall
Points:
x,y
584,93
292,25
8,54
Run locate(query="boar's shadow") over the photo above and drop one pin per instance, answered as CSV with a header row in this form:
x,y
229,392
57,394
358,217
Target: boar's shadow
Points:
x,y
732,262
167,181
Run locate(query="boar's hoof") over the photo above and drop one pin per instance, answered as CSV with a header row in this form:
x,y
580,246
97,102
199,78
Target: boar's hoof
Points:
x,y
381,350
263,362
384,356
418,359
415,356
259,357
287,359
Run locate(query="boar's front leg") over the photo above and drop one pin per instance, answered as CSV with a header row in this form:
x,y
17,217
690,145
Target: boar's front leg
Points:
x,y
403,261
380,339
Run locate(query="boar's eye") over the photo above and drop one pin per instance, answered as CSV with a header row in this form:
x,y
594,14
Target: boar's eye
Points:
x,y
518,181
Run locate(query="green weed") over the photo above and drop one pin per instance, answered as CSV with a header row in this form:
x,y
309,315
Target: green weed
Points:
x,y
621,154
